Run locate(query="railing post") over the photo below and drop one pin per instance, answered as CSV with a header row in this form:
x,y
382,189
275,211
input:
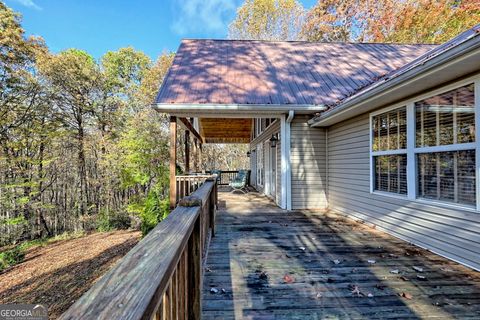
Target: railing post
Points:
x,y
173,161
213,207
195,272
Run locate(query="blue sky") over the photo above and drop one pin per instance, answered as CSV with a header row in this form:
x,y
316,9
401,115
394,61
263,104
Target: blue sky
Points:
x,y
153,26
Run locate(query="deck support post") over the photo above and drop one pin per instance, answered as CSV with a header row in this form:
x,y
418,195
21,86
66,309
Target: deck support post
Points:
x,y
187,151
173,161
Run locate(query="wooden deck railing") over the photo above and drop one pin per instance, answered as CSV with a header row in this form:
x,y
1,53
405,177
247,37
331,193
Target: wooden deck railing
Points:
x,y
187,184
227,176
161,277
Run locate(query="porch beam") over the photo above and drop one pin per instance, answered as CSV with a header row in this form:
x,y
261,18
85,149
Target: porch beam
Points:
x,y
190,128
173,161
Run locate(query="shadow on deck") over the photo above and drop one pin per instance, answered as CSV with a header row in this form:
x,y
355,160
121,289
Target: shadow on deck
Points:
x,y
273,264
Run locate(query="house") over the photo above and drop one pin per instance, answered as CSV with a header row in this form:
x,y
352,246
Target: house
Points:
x,y
382,133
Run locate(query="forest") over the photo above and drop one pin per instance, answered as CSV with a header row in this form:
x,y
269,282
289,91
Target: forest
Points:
x,y
81,148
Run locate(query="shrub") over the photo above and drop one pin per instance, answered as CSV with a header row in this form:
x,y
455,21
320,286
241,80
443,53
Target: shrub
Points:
x,y
116,221
11,257
155,209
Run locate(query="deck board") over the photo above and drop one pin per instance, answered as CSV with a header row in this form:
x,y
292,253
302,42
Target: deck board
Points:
x,y
254,236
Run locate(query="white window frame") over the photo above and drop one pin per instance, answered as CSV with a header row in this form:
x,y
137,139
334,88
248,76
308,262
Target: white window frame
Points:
x,y
411,151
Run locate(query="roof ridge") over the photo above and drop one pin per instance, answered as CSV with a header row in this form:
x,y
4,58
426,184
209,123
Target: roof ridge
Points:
x,y
312,42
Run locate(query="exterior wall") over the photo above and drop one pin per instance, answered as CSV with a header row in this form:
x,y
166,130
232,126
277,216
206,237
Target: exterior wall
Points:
x,y
265,136
450,232
308,165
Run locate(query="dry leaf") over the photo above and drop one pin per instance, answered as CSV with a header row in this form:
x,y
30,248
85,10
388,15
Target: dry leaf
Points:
x,y
407,295
288,279
394,271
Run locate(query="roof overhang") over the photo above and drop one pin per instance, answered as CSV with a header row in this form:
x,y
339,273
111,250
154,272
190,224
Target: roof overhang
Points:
x,y
459,62
235,110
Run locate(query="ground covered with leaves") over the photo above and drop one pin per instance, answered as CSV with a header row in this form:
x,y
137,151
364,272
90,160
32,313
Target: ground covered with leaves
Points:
x,y
58,273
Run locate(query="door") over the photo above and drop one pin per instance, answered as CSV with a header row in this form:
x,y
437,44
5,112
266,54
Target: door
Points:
x,y
273,171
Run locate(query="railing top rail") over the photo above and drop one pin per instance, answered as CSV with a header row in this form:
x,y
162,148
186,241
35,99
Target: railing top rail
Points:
x,y
131,289
194,176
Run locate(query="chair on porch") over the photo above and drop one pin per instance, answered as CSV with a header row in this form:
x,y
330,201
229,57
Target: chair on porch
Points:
x,y
240,182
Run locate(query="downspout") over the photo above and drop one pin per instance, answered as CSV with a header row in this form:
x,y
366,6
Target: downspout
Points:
x,y
291,115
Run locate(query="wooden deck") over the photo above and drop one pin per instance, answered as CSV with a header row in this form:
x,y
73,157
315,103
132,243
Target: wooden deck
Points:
x,y
270,264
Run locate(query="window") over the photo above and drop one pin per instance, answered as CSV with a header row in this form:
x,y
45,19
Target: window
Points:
x,y
427,149
260,171
389,145
447,119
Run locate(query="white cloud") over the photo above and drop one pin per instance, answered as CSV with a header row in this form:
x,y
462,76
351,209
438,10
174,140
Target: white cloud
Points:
x,y
204,16
28,4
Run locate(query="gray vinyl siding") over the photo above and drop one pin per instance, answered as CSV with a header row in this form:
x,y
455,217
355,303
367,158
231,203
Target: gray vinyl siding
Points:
x,y
308,165
451,232
262,138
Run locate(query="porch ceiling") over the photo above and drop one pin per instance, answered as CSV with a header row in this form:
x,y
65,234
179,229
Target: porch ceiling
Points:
x,y
226,130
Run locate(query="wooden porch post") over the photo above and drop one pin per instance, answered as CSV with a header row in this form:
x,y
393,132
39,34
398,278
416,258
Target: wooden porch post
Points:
x,y
173,161
187,151
200,157
195,155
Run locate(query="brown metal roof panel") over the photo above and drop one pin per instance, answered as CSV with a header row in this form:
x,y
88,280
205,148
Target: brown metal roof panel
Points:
x,y
262,72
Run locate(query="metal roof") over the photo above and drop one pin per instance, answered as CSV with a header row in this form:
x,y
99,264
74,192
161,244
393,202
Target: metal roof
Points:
x,y
278,73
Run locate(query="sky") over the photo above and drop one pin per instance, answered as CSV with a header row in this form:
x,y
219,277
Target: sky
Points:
x,y
152,26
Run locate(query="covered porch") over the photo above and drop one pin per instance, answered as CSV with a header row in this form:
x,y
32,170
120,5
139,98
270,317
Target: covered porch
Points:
x,y
266,263
268,141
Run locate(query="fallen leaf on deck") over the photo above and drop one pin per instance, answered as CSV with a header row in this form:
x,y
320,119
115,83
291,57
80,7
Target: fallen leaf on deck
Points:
x,y
418,269
213,290
355,289
370,295
404,278
336,261
288,279
371,261
207,269
302,248
224,291
263,275
380,286
406,295
319,295
394,271
419,277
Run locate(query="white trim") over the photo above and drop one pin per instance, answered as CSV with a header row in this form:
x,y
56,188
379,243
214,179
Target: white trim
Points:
x,y
235,110
388,152
411,169
446,148
285,159
288,135
286,174
476,91
412,150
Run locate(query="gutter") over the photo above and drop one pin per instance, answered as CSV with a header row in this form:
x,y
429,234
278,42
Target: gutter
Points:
x,y
236,108
387,84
